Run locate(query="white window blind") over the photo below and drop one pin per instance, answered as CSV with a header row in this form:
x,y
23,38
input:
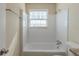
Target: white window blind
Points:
x,y
38,18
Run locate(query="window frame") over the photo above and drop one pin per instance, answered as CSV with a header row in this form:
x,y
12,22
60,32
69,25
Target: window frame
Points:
x,y
38,19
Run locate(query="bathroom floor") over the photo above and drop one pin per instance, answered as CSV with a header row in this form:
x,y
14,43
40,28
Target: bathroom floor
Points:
x,y
44,54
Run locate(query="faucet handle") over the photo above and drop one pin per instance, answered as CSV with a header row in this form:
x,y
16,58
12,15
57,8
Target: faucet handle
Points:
x,y
58,42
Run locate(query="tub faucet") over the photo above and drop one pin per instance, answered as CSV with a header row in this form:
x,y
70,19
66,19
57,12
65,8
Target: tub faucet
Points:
x,y
58,43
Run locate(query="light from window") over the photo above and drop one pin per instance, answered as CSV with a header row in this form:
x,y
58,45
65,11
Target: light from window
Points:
x,y
38,18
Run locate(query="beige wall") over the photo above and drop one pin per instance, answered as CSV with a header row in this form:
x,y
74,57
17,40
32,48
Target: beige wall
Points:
x,y
11,22
73,33
13,26
50,6
74,23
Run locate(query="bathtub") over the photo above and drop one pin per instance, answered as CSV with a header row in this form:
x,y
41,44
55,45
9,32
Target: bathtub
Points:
x,y
44,49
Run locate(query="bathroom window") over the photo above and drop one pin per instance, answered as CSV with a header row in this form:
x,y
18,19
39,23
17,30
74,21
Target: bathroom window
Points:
x,y
38,18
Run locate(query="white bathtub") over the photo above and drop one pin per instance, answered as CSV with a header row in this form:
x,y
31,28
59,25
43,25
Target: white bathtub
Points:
x,y
45,47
